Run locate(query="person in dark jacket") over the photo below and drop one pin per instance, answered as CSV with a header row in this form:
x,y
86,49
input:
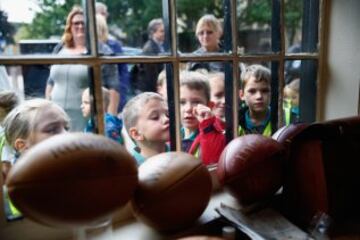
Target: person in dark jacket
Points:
x,y
154,46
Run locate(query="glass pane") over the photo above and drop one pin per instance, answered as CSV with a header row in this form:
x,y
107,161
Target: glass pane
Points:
x,y
137,25
256,108
202,114
31,27
145,116
301,25
200,26
254,26
300,91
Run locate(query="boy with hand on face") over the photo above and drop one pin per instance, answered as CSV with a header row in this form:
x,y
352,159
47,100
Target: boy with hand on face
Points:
x,y
202,132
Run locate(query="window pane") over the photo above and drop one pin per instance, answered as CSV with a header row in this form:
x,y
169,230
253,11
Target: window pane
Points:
x,y
301,26
138,25
200,26
300,91
258,89
254,26
35,28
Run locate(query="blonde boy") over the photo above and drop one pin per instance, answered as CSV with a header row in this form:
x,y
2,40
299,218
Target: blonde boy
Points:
x,y
202,132
147,123
291,101
256,93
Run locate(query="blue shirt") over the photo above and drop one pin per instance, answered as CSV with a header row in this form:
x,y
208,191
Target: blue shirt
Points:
x,y
113,126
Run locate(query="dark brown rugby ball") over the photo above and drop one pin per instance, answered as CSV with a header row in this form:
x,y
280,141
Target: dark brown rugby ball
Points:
x,y
174,190
72,180
250,167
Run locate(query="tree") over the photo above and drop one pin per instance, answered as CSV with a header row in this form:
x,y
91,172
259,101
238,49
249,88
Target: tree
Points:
x,y
7,30
50,20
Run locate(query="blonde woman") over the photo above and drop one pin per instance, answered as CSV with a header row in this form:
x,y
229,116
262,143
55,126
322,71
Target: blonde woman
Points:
x,y
208,33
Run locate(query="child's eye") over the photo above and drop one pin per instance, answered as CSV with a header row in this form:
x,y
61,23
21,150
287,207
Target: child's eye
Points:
x,y
182,102
252,91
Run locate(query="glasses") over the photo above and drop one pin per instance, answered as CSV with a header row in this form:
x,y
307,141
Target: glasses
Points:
x,y
208,32
78,23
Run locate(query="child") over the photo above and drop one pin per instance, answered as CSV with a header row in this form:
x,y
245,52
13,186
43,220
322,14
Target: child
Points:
x,y
8,101
255,92
291,101
113,124
217,96
28,124
202,133
161,84
147,122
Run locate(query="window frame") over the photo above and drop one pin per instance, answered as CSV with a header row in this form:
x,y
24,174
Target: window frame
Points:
x,y
174,59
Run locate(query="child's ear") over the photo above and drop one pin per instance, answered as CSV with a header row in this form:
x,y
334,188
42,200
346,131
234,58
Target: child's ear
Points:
x,y
211,104
241,94
135,134
20,145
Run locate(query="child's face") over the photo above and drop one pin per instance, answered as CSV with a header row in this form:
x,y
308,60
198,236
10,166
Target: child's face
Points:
x,y
85,104
50,122
291,97
153,121
256,95
189,99
218,96
161,89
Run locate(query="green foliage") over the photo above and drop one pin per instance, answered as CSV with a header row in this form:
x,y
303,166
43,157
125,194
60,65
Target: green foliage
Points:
x,y
50,21
132,16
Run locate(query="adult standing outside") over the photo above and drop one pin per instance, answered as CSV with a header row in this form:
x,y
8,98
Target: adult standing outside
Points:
x,y
116,47
67,82
154,46
208,33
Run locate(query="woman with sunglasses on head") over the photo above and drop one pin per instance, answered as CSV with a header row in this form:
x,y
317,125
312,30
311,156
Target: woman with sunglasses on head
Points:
x,y
208,32
67,81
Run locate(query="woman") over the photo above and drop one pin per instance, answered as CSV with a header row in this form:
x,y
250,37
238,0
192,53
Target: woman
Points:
x,y
208,32
67,82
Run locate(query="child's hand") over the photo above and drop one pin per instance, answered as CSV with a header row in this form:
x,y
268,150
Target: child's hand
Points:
x,y
202,112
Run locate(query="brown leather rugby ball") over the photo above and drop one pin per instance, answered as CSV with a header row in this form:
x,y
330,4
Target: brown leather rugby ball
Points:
x,y
174,190
72,180
250,167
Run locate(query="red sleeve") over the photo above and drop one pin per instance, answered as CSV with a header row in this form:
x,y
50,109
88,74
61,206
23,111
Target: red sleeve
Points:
x,y
211,140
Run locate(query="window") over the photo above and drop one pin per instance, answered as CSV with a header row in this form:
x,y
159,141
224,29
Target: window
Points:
x,y
280,34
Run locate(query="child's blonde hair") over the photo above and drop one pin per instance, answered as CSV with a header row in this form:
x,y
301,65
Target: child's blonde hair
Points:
x,y
21,122
161,78
135,105
294,85
8,100
197,81
259,72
